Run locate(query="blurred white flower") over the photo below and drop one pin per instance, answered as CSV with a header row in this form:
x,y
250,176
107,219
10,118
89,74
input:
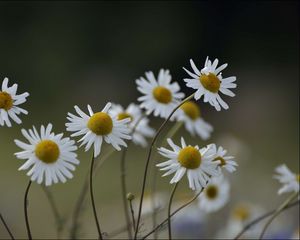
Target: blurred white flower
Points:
x,y
160,96
289,179
209,83
189,114
156,203
139,123
226,162
241,215
9,103
50,156
215,195
98,126
197,163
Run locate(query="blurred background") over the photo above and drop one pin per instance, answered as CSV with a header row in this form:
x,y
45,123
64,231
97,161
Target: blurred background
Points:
x,y
79,53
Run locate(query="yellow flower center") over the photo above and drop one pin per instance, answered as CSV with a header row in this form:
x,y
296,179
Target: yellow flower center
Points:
x,y
47,151
189,157
298,177
100,123
211,191
222,160
124,115
162,94
211,82
241,213
6,101
191,109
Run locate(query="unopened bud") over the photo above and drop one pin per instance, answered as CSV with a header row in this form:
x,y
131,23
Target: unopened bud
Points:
x,y
130,196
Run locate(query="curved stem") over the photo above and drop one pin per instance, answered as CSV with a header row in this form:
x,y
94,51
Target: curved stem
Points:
x,y
123,181
148,160
92,198
169,211
277,212
132,214
25,211
6,227
259,219
79,204
170,134
58,219
124,193
172,214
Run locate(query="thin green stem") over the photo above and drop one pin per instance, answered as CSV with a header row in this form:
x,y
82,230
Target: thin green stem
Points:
x,y
171,215
83,193
6,227
277,212
169,211
170,134
123,180
259,219
92,199
148,160
132,215
58,219
124,193
25,211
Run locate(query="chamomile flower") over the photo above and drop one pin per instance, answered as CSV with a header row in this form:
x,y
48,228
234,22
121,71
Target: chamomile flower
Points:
x,y
215,195
242,214
189,114
197,163
139,124
209,83
9,103
97,127
226,162
289,179
160,96
50,156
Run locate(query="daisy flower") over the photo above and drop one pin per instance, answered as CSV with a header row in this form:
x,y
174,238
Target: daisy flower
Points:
x,y
289,179
49,155
215,195
197,163
226,162
160,96
209,83
241,215
98,126
189,113
9,103
138,122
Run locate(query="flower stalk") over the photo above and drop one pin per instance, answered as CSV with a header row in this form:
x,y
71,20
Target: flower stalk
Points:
x,y
148,160
25,211
169,211
92,199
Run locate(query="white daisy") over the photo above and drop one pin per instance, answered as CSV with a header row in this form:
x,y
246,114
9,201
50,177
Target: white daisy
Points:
x,y
226,162
98,126
9,103
138,122
242,214
160,96
215,195
49,155
289,179
189,113
209,82
197,163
